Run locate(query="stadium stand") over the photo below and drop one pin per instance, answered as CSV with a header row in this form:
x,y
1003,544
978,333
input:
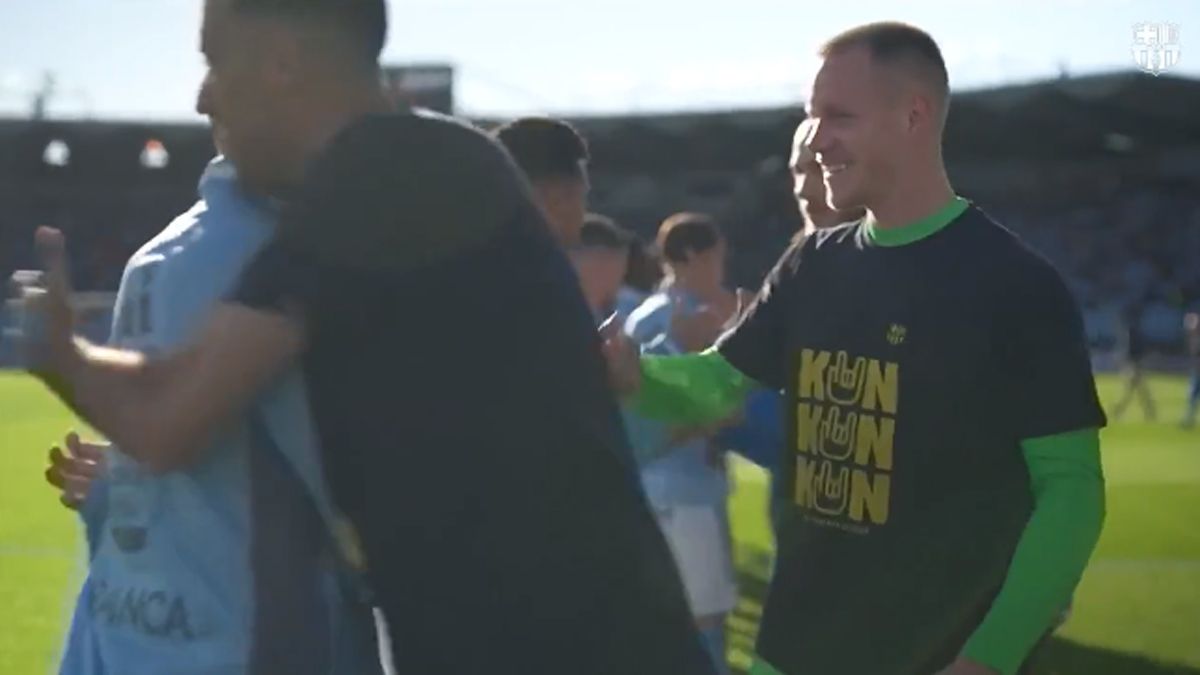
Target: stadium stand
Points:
x,y
1100,173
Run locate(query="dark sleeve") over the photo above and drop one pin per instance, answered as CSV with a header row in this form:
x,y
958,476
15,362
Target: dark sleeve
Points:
x,y
757,345
384,201
1046,370
278,280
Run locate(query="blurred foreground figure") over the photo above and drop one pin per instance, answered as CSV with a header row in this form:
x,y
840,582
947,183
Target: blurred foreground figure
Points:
x,y
479,456
225,565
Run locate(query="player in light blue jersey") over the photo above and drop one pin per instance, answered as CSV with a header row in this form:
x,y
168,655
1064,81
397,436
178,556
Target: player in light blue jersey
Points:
x,y
686,481
223,567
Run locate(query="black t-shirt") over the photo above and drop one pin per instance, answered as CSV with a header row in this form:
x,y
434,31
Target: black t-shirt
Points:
x,y
468,430
912,374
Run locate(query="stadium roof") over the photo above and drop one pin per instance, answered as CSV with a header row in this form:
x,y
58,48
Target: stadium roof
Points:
x,y
1079,117
1104,114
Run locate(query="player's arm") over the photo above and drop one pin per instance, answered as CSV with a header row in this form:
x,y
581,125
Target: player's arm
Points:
x,y
1049,401
163,411
709,387
689,389
1068,492
160,411
655,435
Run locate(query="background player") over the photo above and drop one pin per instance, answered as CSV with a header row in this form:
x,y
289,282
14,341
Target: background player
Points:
x,y
554,157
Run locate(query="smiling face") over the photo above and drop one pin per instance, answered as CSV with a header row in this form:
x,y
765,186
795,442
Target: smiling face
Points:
x,y
860,122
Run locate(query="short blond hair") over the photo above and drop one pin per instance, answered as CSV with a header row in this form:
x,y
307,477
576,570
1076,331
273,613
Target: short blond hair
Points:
x,y
899,44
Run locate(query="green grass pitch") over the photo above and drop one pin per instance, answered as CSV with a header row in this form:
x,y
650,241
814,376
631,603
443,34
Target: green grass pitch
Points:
x,y
1137,611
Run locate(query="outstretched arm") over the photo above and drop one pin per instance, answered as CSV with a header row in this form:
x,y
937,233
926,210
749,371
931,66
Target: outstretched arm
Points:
x,y
158,410
691,389
684,390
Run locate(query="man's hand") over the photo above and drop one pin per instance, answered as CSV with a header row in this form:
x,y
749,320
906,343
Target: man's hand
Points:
x,y
964,666
47,319
73,473
623,357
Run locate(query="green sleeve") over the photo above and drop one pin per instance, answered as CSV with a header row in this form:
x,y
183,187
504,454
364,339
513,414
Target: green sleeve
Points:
x,y
1068,512
690,389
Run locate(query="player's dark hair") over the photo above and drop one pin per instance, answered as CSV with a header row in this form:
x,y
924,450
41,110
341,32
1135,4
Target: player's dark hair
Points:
x,y
896,43
544,147
644,271
685,233
364,23
603,232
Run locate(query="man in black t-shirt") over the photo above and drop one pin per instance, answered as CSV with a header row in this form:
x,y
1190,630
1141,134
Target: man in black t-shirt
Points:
x,y
942,474
455,376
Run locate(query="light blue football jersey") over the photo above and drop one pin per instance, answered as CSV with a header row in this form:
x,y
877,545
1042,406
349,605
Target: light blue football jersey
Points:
x,y
683,475
170,586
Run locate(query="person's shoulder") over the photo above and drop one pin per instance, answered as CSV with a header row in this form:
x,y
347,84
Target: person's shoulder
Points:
x,y
224,215
1006,252
421,142
1021,277
171,235
819,243
650,309
226,202
838,234
396,191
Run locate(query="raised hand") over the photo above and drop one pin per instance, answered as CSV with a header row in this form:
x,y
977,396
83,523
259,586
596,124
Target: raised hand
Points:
x,y
47,319
73,472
